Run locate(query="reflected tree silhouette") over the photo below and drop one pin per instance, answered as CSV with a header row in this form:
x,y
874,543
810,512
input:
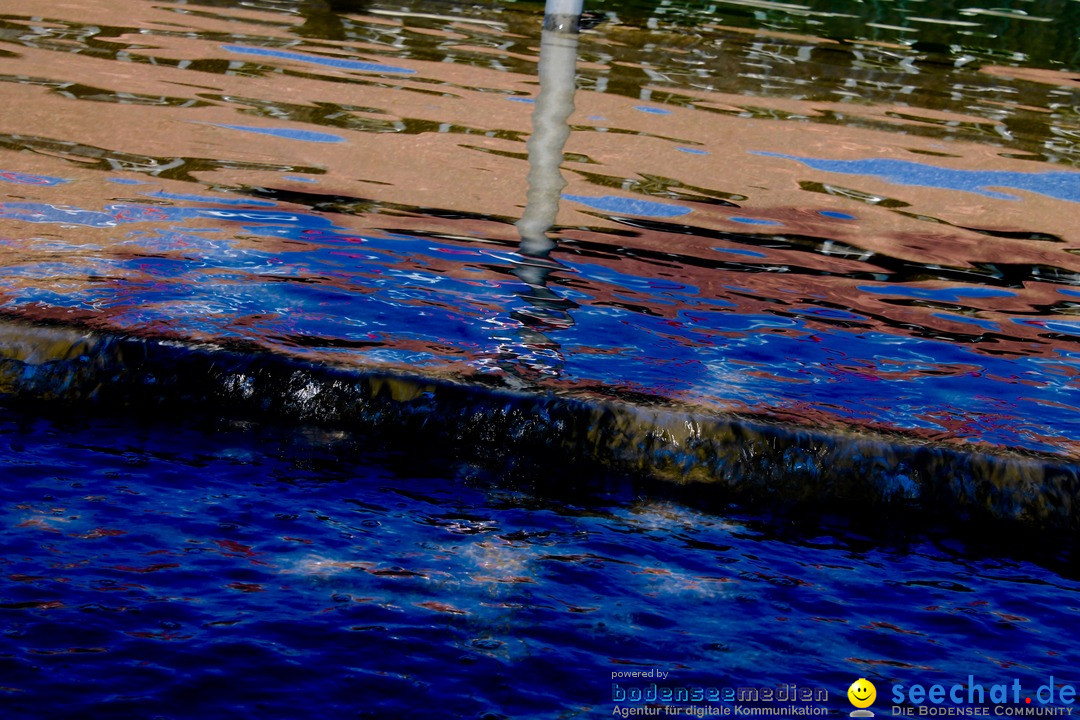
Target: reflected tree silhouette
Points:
x,y
322,18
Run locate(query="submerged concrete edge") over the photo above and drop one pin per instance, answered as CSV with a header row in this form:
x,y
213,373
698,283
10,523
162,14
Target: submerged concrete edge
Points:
x,y
740,458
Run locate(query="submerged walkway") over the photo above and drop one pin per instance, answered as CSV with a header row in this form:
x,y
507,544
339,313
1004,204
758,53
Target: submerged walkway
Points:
x,y
726,457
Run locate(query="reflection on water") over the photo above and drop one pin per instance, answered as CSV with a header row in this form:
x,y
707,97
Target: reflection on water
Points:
x,y
547,310
839,214
833,214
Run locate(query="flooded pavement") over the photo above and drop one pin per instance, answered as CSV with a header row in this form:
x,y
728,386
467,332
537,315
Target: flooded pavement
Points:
x,y
799,214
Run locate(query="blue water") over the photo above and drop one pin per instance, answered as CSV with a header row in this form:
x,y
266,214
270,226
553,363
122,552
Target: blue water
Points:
x,y
1061,185
212,570
343,63
842,233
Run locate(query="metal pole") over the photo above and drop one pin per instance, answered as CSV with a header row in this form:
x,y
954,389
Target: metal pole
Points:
x,y
558,73
562,15
533,353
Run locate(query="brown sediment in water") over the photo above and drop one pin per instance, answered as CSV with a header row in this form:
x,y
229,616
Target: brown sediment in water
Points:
x,y
1040,75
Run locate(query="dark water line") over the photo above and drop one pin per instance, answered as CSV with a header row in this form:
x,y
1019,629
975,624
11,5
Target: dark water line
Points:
x,y
720,458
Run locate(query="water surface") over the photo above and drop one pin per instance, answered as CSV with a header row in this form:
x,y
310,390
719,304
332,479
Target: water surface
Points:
x,y
825,216
804,213
216,570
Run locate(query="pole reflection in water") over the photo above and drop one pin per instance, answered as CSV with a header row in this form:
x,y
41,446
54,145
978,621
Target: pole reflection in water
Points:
x,y
545,309
558,61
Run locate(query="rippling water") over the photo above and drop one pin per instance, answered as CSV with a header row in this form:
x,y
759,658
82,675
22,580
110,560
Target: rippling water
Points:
x,y
833,215
226,571
871,229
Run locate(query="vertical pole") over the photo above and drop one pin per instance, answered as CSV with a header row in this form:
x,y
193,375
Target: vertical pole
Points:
x,y
532,353
558,72
562,15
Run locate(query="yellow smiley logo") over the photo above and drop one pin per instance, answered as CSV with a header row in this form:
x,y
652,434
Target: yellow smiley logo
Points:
x,y
862,693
